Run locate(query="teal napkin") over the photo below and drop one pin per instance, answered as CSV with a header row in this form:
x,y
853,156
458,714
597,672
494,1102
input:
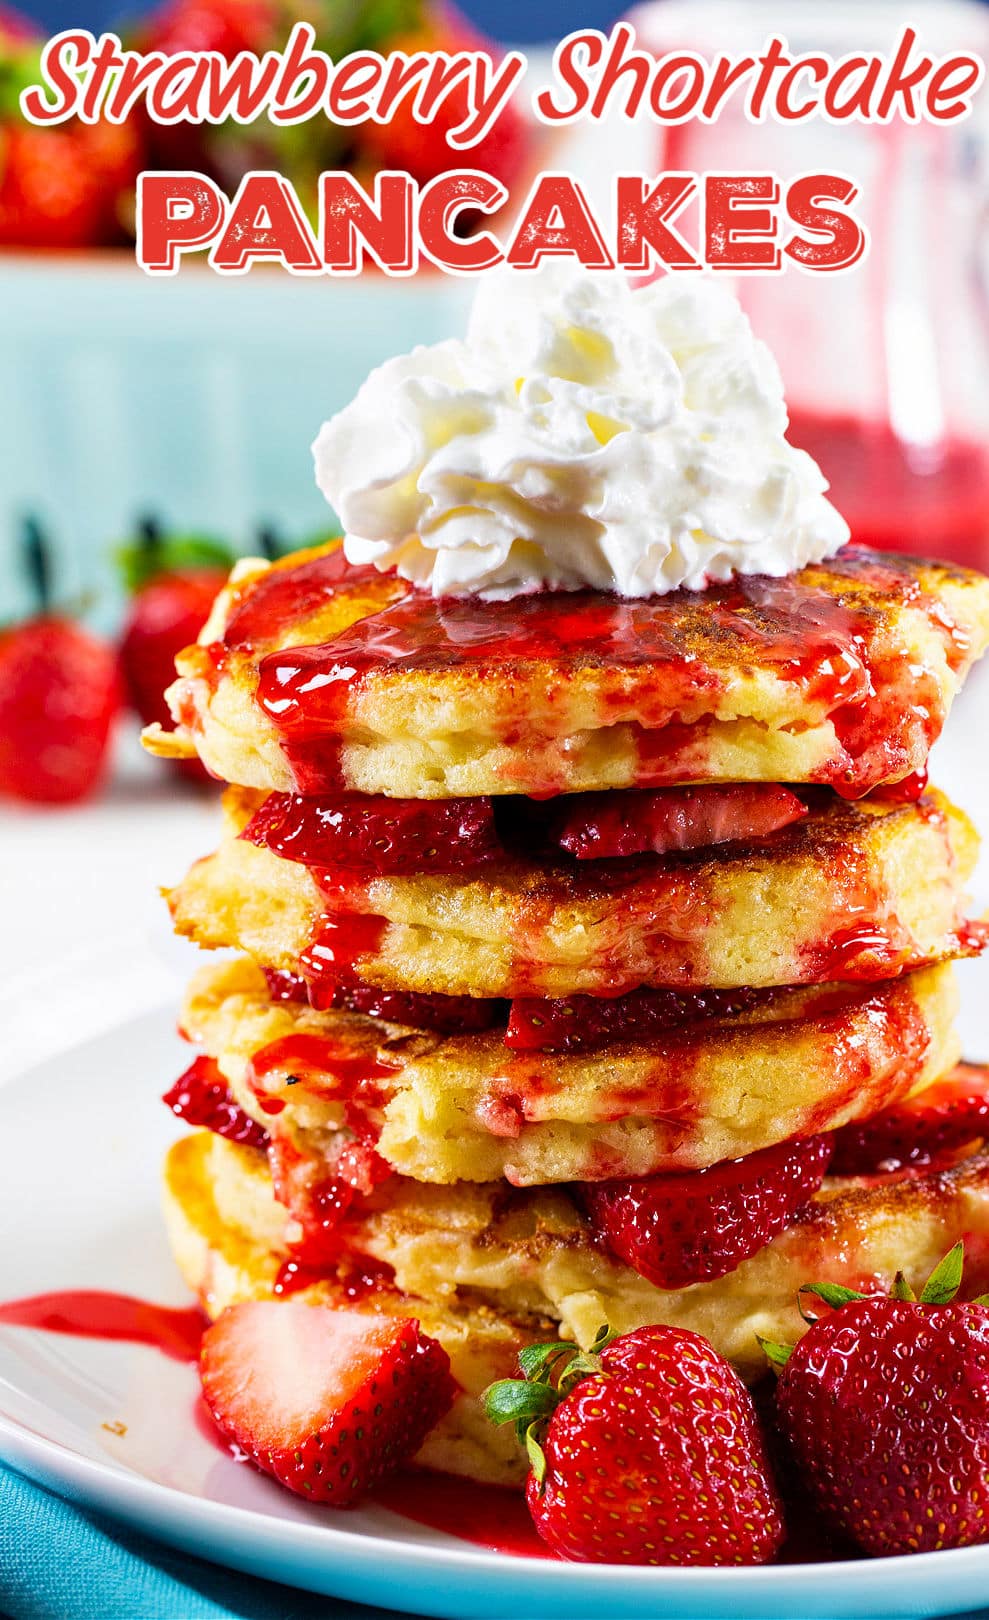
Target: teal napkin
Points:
x,y
58,1563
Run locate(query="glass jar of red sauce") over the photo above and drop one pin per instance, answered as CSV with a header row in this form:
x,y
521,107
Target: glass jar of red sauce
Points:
x,y
885,365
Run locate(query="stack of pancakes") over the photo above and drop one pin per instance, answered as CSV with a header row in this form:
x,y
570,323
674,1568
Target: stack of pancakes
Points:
x,y
439,1030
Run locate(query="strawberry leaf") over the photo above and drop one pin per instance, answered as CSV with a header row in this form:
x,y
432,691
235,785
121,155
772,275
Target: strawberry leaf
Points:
x,y
945,1280
901,1288
536,1361
602,1339
832,1294
512,1400
777,1354
537,1456
154,553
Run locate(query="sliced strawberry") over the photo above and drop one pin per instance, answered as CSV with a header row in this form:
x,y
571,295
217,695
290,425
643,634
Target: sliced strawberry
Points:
x,y
455,1015
588,1023
59,695
676,1230
374,835
596,826
919,1132
202,1097
327,1401
451,1014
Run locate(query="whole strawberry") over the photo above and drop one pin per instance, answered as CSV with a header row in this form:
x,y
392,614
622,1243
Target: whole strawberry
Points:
x,y
175,581
328,1401
59,695
884,1404
646,1450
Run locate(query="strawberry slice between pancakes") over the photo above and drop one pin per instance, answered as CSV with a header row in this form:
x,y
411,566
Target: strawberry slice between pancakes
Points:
x,y
919,1132
690,1227
202,1097
596,826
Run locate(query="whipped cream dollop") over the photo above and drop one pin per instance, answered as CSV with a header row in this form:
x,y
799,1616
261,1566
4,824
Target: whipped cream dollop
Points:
x,y
582,434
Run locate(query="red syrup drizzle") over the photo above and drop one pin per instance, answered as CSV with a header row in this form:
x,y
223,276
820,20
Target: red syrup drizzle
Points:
x,y
884,714
290,594
93,1314
333,956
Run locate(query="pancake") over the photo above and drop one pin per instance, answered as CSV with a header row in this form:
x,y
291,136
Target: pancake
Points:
x,y
446,1108
314,676
481,1272
854,892
224,1263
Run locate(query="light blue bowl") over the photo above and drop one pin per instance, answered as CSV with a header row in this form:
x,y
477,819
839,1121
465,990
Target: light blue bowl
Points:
x,y
194,397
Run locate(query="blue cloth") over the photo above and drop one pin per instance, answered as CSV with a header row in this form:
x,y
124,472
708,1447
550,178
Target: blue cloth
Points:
x,y
58,1563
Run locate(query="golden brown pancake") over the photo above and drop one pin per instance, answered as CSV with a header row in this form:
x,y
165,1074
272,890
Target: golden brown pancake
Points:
x,y
314,676
446,1108
854,892
485,1276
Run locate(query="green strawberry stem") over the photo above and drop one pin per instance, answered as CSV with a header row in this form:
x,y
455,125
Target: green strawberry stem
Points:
x,y
549,1372
38,562
154,551
940,1288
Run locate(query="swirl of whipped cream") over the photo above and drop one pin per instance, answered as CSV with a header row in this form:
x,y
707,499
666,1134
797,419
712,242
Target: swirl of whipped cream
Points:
x,y
583,434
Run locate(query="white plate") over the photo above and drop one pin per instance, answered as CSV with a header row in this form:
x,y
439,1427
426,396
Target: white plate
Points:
x,y
82,1140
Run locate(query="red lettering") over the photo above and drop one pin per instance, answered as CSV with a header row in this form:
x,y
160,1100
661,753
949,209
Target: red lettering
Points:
x,y
355,76
351,223
772,59
137,72
724,78
902,81
861,93
556,220
811,202
265,222
445,74
662,97
953,83
176,91
176,213
106,61
441,202
404,72
235,90
817,68
644,234
61,51
740,224
303,81
616,65
568,68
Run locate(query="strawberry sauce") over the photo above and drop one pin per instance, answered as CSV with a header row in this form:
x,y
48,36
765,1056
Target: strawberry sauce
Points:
x,y
884,713
487,1515
93,1314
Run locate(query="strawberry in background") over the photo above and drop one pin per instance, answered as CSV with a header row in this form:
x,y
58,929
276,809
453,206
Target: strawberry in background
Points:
x,y
68,186
59,695
174,580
